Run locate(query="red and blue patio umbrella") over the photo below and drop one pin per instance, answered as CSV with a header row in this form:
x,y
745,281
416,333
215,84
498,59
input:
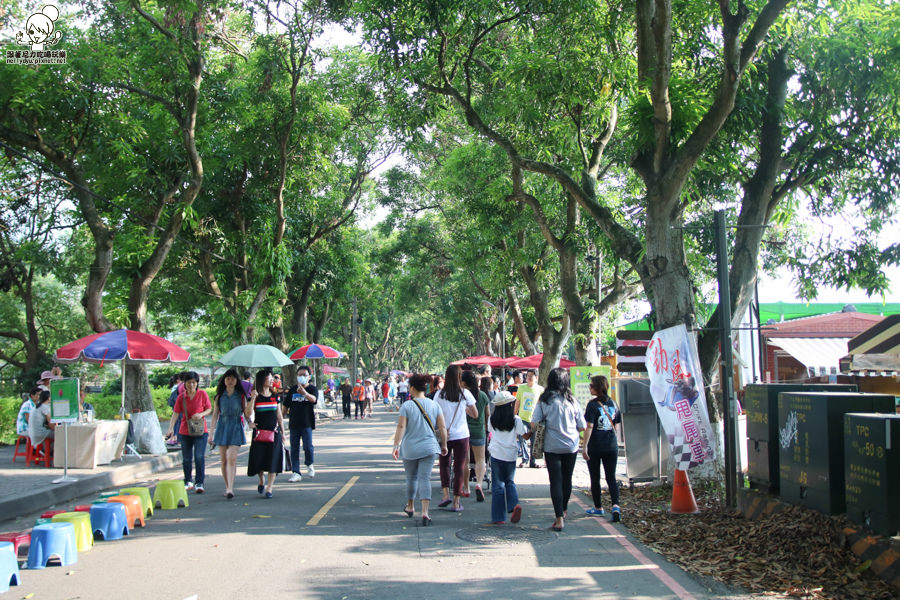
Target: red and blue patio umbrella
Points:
x,y
315,351
124,345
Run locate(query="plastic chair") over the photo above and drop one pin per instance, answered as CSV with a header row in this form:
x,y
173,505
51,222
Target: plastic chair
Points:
x,y
81,521
25,442
168,493
52,539
42,454
133,511
17,539
9,567
144,494
109,521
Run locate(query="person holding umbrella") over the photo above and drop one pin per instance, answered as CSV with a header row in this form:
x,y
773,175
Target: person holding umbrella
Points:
x,y
194,404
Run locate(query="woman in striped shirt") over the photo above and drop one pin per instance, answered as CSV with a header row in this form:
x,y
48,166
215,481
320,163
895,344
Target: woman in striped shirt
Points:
x,y
266,449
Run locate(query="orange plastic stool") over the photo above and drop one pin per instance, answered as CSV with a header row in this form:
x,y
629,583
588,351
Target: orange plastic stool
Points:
x,y
25,442
134,512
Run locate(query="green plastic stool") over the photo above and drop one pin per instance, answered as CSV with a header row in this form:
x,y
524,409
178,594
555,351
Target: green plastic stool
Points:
x,y
81,521
169,493
142,493
41,522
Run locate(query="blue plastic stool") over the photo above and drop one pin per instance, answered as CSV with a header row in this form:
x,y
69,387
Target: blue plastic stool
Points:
x,y
52,539
9,567
109,522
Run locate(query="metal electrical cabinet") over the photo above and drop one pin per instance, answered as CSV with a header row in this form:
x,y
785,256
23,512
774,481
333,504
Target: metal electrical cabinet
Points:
x,y
872,470
646,447
811,444
761,406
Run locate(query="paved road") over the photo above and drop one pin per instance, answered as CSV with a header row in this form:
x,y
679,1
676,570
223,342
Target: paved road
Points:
x,y
342,536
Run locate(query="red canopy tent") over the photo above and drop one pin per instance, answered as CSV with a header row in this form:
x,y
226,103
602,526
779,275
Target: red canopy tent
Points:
x,y
534,361
493,361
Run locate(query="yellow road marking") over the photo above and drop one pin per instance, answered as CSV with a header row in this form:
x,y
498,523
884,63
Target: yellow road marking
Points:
x,y
334,500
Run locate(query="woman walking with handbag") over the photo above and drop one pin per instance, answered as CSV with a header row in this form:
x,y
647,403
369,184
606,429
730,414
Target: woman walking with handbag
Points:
x,y
601,446
267,446
419,426
228,425
194,404
456,402
559,413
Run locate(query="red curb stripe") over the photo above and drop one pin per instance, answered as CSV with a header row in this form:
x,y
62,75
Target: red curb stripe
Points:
x,y
664,577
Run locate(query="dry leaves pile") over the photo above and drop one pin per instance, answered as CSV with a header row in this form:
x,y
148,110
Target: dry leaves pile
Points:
x,y
798,553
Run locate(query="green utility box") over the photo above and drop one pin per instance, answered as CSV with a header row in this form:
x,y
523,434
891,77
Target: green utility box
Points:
x,y
872,471
761,406
811,444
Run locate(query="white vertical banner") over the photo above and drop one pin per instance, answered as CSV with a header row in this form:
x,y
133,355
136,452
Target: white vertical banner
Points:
x,y
676,385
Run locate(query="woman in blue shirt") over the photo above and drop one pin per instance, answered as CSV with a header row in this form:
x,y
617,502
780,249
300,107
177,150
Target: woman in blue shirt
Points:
x,y
419,425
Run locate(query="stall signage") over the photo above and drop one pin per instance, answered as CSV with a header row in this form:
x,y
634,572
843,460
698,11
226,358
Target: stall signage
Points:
x,y
64,400
676,385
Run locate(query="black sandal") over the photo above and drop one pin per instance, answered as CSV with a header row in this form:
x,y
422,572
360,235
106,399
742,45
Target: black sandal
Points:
x,y
426,520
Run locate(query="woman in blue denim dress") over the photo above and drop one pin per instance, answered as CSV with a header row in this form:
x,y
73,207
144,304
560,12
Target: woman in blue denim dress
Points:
x,y
229,407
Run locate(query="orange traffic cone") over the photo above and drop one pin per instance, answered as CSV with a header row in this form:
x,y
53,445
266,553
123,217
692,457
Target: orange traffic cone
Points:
x,y
683,502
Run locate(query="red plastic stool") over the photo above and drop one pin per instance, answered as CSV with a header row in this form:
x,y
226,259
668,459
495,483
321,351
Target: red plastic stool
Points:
x,y
42,454
25,442
49,514
16,538
82,508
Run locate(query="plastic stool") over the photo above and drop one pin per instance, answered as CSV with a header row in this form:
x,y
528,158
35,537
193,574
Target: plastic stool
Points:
x,y
109,521
9,567
144,494
42,521
104,496
49,514
81,521
133,511
168,493
52,539
42,454
25,442
82,508
17,539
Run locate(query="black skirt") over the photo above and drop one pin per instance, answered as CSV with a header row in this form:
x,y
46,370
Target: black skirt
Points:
x,y
266,457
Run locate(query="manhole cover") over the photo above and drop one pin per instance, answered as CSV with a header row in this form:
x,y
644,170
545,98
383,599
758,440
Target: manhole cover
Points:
x,y
505,534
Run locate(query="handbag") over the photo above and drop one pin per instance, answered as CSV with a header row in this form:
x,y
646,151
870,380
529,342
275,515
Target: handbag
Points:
x,y
540,432
265,435
195,428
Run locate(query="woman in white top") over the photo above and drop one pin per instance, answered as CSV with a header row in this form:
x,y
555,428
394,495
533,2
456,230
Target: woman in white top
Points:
x,y
455,402
505,427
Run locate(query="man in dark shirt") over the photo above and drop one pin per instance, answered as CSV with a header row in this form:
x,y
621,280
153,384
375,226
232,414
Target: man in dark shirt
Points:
x,y
302,399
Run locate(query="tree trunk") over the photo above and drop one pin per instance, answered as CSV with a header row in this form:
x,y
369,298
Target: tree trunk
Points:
x,y
521,332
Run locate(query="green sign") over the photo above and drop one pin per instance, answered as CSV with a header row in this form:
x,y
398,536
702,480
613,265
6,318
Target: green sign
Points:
x,y
580,379
64,400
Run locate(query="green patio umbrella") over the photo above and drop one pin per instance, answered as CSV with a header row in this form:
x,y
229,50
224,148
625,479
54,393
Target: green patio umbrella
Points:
x,y
255,356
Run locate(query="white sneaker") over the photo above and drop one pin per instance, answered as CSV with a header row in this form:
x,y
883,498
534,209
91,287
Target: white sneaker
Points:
x,y
189,485
295,477
311,471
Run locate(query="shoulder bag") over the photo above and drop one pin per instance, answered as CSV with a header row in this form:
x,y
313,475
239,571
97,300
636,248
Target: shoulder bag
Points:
x,y
425,415
265,435
540,432
195,428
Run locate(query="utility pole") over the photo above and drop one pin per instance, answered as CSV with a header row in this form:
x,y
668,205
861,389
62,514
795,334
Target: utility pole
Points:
x,y
727,373
354,328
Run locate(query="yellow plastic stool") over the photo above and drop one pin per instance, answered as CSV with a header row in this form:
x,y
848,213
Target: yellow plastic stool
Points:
x,y
142,493
133,511
81,521
168,493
